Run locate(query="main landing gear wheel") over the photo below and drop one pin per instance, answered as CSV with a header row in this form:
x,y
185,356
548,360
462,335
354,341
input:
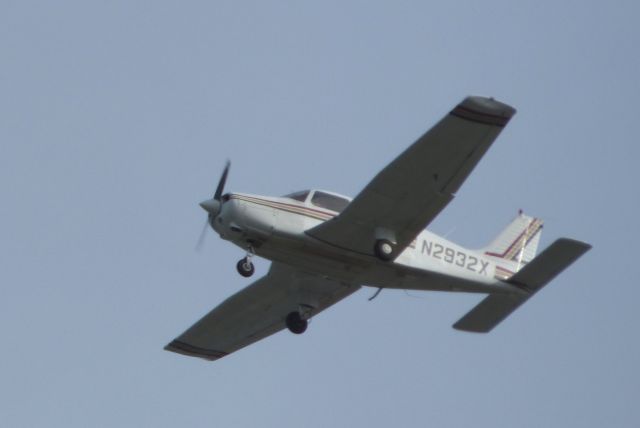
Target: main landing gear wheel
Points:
x,y
384,250
295,323
245,267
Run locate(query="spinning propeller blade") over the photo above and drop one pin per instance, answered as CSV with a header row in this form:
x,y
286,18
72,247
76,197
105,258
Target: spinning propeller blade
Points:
x,y
203,235
213,205
221,183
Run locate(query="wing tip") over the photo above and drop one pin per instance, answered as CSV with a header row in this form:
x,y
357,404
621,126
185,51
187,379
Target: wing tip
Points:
x,y
578,245
470,329
484,110
183,348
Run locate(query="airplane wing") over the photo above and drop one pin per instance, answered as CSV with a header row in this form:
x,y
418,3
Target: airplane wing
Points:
x,y
410,192
258,311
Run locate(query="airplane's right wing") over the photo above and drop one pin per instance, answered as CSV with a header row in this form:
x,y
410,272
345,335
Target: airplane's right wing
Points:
x,y
258,311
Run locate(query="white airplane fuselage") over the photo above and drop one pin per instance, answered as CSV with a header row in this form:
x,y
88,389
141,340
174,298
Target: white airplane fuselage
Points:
x,y
275,228
324,246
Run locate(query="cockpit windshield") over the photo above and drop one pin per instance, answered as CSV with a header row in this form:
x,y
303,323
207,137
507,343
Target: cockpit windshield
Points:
x,y
298,196
320,199
328,201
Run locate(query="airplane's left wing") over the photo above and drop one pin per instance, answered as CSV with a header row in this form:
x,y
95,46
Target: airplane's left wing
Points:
x,y
258,311
410,192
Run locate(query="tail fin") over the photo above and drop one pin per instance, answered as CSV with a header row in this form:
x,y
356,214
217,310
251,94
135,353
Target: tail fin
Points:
x,y
516,245
496,307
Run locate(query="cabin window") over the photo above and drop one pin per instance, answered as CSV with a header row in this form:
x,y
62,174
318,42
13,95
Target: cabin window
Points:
x,y
330,202
299,196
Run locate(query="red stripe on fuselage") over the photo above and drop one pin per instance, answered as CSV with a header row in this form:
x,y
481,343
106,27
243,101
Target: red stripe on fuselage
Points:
x,y
283,206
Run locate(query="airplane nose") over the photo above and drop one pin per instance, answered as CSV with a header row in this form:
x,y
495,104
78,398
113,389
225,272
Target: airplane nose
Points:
x,y
212,206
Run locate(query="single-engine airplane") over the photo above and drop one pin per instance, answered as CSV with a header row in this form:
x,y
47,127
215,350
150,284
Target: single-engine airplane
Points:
x,y
324,246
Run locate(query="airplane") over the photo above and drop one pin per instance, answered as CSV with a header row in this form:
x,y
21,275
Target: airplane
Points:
x,y
325,246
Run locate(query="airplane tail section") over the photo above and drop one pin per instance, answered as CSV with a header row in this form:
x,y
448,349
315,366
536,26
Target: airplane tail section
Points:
x,y
530,279
516,245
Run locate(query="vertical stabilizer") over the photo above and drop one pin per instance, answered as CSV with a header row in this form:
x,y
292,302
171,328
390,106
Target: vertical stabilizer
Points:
x,y
516,245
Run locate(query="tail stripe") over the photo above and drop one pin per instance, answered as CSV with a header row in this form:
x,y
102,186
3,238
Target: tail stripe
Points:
x,y
502,273
511,253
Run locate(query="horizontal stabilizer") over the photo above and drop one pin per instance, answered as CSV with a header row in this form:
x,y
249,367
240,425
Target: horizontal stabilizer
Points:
x,y
553,260
496,307
489,313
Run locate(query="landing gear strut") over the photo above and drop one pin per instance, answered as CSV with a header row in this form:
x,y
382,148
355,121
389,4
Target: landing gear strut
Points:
x,y
244,265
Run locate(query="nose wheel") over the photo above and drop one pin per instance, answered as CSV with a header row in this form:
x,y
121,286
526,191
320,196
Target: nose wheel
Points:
x,y
245,267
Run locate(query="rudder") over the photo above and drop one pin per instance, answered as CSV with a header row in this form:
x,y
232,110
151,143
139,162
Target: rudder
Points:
x,y
516,245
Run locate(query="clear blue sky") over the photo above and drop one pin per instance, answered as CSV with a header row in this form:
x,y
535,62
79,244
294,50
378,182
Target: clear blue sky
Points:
x,y
116,119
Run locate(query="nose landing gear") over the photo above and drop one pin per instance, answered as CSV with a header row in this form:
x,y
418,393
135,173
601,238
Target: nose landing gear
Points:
x,y
244,265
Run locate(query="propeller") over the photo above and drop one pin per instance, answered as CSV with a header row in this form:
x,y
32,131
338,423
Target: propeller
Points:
x,y
200,243
212,206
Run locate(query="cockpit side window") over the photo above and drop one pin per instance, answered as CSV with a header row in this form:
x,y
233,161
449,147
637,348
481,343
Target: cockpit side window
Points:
x,y
299,196
330,202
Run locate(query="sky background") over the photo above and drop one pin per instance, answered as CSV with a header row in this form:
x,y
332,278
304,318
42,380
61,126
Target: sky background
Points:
x,y
116,119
